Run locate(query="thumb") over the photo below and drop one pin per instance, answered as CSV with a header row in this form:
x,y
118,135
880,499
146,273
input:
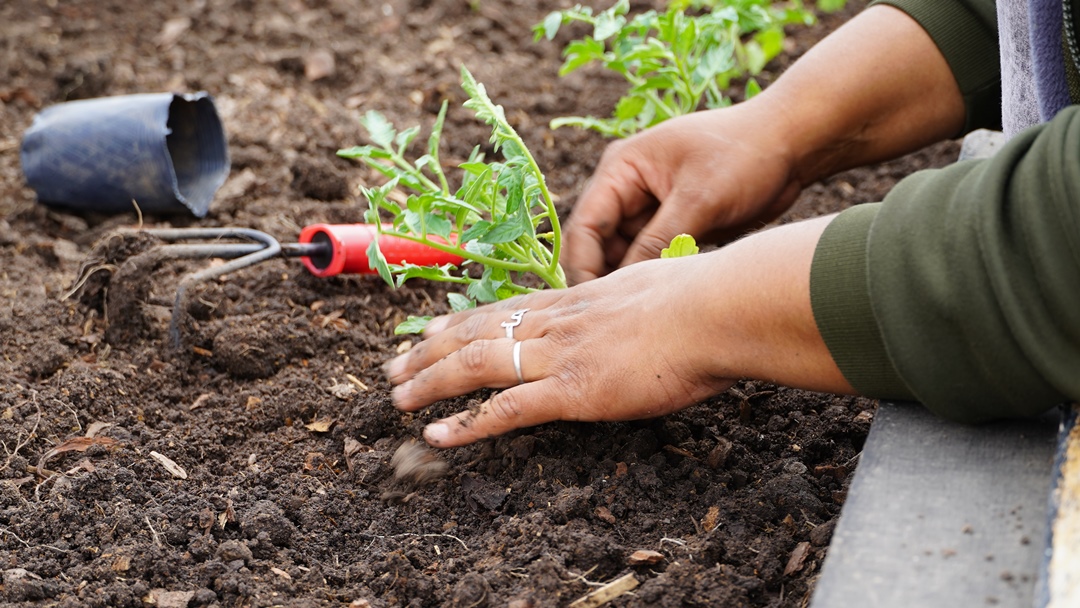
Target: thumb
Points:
x,y
670,221
519,407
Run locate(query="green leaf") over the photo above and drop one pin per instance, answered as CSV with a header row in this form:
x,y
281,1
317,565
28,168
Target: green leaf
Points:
x,y
579,53
752,89
476,231
363,152
412,271
478,248
412,325
629,106
377,262
380,129
830,6
550,27
503,233
405,138
438,224
484,290
436,131
460,302
607,25
682,245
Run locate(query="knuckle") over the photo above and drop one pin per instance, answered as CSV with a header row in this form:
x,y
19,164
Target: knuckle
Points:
x,y
473,328
474,357
505,409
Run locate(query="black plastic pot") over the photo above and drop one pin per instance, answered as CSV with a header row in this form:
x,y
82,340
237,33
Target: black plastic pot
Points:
x,y
165,151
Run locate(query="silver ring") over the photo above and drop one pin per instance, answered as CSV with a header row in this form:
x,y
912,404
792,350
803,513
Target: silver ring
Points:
x,y
517,362
515,320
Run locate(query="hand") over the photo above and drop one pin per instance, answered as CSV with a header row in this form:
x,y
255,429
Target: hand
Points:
x,y
620,348
850,101
643,341
713,175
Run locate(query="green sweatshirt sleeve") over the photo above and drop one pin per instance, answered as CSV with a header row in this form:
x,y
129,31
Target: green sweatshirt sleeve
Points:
x,y
962,288
965,32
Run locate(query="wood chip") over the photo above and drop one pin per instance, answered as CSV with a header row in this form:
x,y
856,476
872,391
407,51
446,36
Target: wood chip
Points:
x,y
343,392
604,514
798,556
320,425
170,465
96,427
711,519
318,64
360,385
172,31
283,574
608,592
352,447
643,557
122,563
200,401
169,599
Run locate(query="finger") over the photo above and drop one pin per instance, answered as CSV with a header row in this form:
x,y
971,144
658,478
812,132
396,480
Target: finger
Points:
x,y
522,406
466,327
616,190
482,364
674,217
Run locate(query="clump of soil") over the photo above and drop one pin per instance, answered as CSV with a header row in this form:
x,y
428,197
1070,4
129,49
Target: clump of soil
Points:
x,y
273,403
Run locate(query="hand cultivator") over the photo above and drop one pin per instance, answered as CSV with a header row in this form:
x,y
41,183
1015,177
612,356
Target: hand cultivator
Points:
x,y
325,249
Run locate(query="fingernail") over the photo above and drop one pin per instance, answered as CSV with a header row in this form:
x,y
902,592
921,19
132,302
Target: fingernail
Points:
x,y
436,433
435,325
400,394
394,367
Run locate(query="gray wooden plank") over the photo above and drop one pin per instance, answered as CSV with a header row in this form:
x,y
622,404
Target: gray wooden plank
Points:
x,y
942,514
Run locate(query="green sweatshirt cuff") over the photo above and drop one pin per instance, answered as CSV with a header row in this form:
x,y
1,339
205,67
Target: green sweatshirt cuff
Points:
x,y
840,297
965,31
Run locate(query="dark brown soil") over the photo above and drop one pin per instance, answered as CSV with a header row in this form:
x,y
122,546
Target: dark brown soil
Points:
x,y
290,497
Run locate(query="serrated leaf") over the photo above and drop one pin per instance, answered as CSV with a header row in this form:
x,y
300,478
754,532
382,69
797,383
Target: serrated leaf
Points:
x,y
607,25
438,224
380,129
476,231
503,233
459,302
629,107
682,245
405,138
412,325
478,248
550,26
436,132
363,152
430,273
484,290
377,262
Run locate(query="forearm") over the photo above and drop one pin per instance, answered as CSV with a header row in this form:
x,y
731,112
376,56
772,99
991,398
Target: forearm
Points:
x,y
875,89
970,278
756,314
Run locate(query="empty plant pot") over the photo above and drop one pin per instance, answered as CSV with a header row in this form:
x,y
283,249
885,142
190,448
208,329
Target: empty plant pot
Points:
x,y
166,152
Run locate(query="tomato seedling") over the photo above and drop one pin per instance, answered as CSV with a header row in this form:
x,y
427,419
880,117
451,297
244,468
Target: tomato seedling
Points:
x,y
491,220
676,60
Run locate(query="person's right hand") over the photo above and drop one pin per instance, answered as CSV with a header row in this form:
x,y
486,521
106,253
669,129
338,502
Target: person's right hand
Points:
x,y
713,175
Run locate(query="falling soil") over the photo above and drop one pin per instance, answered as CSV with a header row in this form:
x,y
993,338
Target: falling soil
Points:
x,y
253,463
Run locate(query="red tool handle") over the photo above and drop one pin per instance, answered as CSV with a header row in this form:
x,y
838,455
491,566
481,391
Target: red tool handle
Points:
x,y
348,249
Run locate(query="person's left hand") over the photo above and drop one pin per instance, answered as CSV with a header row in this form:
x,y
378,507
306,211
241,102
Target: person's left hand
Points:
x,y
627,346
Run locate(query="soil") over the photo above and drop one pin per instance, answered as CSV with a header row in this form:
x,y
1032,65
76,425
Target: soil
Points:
x,y
252,465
